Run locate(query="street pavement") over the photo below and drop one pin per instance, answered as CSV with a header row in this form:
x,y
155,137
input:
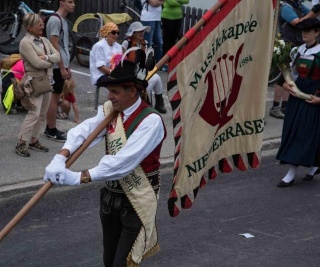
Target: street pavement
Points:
x,y
19,174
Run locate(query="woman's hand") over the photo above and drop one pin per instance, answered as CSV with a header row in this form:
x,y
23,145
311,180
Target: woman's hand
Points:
x,y
315,100
43,57
289,87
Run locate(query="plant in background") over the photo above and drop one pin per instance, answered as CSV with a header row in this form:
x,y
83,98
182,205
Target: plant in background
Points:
x,y
281,54
281,59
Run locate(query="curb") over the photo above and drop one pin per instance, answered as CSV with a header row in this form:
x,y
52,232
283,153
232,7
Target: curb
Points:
x,y
31,186
270,144
7,191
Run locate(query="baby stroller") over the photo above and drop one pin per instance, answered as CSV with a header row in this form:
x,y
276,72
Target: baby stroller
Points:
x,y
86,29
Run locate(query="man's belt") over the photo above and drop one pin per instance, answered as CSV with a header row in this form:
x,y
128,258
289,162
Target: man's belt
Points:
x,y
153,177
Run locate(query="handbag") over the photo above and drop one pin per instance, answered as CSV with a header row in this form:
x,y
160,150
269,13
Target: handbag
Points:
x,y
22,91
41,85
18,90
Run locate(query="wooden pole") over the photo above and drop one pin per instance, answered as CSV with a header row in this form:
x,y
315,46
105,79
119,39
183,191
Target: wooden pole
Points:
x,y
40,193
18,217
181,43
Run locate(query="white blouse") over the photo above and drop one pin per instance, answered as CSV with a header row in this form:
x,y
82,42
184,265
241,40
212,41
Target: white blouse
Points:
x,y
140,144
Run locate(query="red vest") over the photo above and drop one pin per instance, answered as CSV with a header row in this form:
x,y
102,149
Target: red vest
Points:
x,y
151,162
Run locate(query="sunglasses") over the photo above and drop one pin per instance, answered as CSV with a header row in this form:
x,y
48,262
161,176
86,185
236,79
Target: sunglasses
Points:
x,y
115,32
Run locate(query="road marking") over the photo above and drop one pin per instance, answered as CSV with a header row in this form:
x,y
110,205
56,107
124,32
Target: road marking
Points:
x,y
81,73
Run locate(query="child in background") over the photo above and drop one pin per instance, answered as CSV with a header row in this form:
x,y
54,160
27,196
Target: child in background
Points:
x,y
67,100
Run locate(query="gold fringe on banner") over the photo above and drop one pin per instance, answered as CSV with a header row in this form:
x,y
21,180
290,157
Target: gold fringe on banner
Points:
x,y
150,253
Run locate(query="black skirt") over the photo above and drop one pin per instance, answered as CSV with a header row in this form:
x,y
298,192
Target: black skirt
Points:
x,y
300,141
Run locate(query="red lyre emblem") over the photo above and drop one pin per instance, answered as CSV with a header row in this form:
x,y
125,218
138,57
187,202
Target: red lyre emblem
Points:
x,y
223,89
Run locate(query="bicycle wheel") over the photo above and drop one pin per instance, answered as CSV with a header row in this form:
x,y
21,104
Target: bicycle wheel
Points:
x,y
84,46
274,76
72,45
8,29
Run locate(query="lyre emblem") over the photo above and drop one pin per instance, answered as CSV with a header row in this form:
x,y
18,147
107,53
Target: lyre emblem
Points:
x,y
223,89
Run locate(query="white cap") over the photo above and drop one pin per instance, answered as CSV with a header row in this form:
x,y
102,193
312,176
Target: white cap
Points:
x,y
137,27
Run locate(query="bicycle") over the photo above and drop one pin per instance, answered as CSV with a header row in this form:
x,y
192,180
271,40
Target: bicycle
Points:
x,y
87,26
11,31
274,76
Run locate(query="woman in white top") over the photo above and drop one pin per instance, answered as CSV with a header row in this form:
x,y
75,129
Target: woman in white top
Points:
x,y
105,54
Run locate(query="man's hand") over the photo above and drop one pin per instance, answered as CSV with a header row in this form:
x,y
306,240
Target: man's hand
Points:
x,y
316,8
55,171
71,178
65,73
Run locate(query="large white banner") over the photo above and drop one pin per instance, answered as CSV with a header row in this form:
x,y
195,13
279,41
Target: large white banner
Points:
x,y
217,88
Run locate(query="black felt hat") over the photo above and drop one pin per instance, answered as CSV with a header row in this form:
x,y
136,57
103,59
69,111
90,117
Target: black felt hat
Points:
x,y
122,74
308,24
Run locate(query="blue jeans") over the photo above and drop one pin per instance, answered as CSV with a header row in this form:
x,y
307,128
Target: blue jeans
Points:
x,y
154,37
120,226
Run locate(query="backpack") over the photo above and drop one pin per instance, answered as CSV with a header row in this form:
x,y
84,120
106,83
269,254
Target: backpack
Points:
x,y
6,86
45,21
7,62
288,32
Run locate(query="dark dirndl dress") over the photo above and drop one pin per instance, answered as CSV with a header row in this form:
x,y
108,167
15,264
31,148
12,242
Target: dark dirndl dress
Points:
x,y
300,139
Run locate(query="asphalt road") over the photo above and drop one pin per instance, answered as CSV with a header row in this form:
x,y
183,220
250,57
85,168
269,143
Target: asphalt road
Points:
x,y
63,229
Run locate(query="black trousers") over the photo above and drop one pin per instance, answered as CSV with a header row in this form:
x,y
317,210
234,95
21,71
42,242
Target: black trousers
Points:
x,y
170,32
120,225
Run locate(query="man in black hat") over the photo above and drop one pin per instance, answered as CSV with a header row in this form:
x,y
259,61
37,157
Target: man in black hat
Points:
x,y
130,168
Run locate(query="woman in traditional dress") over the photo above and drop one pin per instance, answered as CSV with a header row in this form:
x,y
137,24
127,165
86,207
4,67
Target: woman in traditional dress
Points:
x,y
301,128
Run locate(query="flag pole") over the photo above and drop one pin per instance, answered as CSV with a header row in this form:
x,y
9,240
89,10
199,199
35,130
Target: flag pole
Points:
x,y
173,51
187,37
40,193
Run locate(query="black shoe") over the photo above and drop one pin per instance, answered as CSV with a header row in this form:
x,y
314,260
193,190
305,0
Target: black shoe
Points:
x,y
48,129
308,177
284,184
55,134
161,109
160,104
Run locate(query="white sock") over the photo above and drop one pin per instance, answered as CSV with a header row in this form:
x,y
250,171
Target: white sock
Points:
x,y
312,170
290,175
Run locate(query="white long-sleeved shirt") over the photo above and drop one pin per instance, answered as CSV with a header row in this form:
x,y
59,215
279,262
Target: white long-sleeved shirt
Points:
x,y
140,144
102,54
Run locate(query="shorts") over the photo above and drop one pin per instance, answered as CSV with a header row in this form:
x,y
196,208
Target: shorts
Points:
x,y
58,81
281,81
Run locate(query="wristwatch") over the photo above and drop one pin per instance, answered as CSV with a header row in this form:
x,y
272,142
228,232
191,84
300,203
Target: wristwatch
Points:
x,y
86,177
47,58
